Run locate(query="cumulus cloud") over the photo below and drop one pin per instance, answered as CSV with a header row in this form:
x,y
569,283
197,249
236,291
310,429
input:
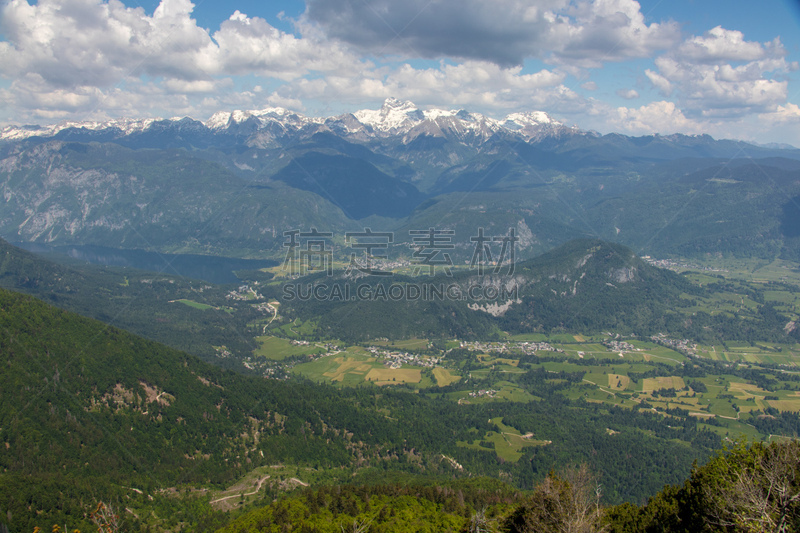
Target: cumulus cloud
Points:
x,y
251,45
722,74
655,117
90,42
719,44
505,32
659,82
608,30
75,42
66,53
472,85
788,114
98,59
628,94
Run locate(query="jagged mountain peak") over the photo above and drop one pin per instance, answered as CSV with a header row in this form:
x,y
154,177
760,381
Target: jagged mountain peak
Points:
x,y
225,119
593,257
522,119
125,125
392,116
394,103
396,117
535,125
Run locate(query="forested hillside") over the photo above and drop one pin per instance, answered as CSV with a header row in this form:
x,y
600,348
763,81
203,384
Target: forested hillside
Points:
x,y
753,488
89,410
584,285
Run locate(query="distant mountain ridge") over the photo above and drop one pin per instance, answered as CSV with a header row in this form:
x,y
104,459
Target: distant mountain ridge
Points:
x,y
234,184
263,126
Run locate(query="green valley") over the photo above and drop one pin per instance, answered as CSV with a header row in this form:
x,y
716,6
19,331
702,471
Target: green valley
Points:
x,y
385,403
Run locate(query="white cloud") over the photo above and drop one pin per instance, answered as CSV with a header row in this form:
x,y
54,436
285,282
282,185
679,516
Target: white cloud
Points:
x,y
473,85
72,56
788,113
97,59
251,45
721,74
197,86
719,44
72,42
780,125
655,117
608,30
659,82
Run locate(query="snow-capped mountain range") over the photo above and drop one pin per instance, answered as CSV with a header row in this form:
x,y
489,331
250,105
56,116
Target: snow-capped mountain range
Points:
x,y
236,182
394,118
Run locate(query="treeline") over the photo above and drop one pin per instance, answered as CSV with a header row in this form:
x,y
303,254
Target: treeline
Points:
x,y
384,508
755,488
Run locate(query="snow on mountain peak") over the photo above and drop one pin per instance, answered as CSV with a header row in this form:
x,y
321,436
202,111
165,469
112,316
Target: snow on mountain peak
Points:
x,y
394,117
529,118
393,114
124,125
224,119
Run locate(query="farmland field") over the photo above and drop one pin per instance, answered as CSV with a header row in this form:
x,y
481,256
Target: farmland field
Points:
x,y
507,443
444,377
196,305
388,376
357,366
672,382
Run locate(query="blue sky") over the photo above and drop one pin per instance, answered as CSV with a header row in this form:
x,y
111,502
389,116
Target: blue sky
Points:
x,y
726,68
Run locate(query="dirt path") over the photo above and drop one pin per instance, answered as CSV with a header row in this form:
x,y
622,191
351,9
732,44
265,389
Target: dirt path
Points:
x,y
601,388
258,488
274,316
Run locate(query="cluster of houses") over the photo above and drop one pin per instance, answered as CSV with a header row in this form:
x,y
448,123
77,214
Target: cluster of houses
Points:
x,y
671,264
330,349
394,359
488,393
526,348
683,345
243,292
264,307
619,346
222,352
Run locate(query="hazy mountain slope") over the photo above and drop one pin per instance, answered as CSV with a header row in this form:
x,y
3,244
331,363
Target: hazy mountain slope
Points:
x,y
220,186
138,301
354,185
741,210
166,200
584,285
